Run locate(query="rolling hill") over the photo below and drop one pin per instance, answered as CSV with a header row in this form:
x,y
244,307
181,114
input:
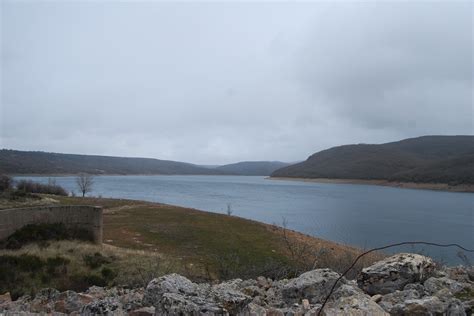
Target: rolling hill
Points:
x,y
35,162
427,159
252,168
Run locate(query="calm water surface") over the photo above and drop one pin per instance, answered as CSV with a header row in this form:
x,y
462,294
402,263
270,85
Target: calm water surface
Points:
x,y
361,215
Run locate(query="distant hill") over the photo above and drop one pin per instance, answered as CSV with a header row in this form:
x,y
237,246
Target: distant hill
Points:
x,y
430,159
252,168
35,162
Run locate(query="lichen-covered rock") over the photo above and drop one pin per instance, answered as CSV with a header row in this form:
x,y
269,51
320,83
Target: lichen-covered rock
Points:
x,y
254,310
105,306
70,301
357,305
313,286
178,304
346,290
97,292
20,305
460,273
416,287
131,299
263,282
389,301
227,295
430,305
172,283
143,311
468,306
395,272
455,308
274,312
433,285
44,301
173,293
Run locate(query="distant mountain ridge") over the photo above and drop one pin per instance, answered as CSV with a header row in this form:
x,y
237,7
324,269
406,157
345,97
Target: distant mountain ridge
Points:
x,y
37,162
430,159
252,168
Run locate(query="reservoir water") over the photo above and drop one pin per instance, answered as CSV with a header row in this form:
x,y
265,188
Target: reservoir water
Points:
x,y
361,215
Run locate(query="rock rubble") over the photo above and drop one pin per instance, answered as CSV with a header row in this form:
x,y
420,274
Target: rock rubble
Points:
x,y
403,284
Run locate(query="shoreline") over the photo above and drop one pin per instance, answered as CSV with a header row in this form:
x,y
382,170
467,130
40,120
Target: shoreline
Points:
x,y
464,188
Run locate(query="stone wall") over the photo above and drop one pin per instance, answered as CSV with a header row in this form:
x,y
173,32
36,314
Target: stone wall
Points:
x,y
84,217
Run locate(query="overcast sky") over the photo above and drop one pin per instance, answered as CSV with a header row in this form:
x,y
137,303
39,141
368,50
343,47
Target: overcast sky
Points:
x,y
214,83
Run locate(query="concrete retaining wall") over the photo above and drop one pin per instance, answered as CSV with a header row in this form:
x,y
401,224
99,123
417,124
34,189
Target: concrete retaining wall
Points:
x,y
84,217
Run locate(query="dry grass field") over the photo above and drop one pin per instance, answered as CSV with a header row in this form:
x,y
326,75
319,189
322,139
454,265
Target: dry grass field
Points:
x,y
143,240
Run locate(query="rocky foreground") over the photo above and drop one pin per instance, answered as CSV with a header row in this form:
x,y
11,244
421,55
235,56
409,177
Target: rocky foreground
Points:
x,y
404,284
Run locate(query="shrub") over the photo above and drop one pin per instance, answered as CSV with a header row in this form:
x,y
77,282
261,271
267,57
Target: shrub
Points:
x,y
24,274
5,183
108,274
29,186
42,232
56,265
96,260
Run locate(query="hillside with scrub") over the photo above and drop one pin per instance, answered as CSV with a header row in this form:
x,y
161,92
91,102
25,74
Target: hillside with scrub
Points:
x,y
428,159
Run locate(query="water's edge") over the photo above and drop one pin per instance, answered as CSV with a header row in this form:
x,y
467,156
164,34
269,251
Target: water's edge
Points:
x,y
464,188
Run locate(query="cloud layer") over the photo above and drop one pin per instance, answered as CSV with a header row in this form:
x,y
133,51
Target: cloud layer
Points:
x,y
217,83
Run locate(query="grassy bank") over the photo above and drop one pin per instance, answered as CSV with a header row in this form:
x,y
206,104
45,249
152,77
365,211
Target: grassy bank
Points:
x,y
405,185
152,238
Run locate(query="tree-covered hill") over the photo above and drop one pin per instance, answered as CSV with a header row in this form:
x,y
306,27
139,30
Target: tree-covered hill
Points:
x,y
431,159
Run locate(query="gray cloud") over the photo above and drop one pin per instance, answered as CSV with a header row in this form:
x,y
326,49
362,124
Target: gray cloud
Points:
x,y
216,83
396,65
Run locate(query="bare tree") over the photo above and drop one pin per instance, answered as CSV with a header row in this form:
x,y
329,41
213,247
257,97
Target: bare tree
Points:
x,y
229,209
84,183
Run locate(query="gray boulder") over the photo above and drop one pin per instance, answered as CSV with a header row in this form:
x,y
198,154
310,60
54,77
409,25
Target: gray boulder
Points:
x,y
105,306
70,301
395,272
254,310
430,305
174,294
313,286
227,295
433,285
418,288
143,311
460,273
346,290
389,301
455,308
171,283
356,305
179,304
469,306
